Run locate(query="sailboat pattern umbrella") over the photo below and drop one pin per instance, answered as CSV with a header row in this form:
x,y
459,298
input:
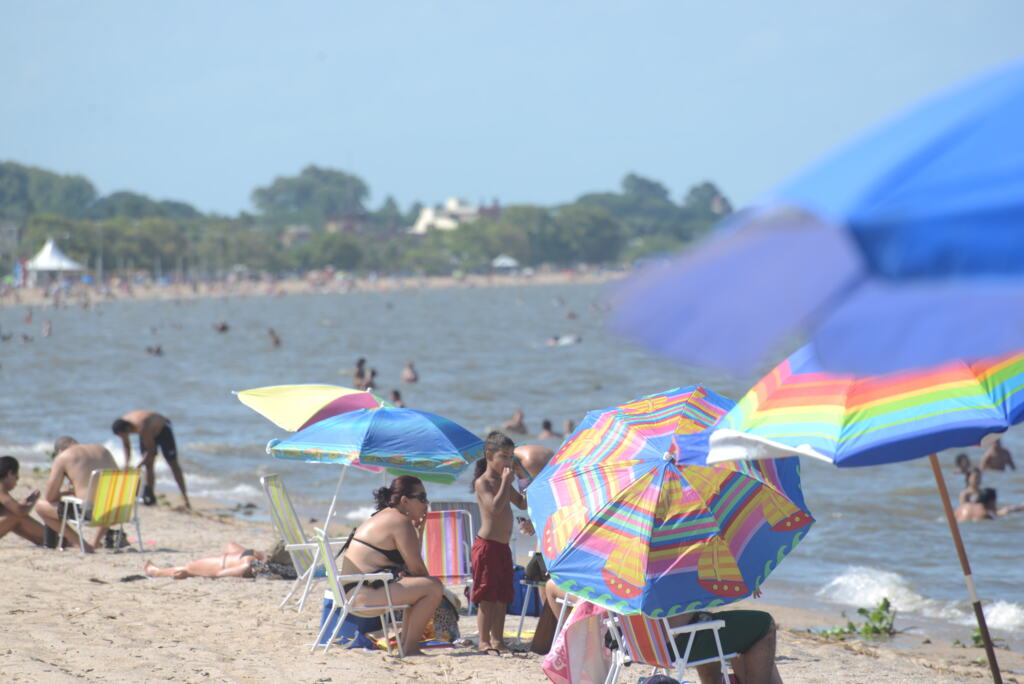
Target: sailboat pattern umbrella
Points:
x,y
626,524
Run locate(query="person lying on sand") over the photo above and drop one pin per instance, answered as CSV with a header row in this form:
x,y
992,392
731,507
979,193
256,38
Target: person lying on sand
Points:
x,y
234,561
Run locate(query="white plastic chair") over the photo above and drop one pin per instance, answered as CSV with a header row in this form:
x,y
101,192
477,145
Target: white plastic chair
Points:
x,y
652,641
344,605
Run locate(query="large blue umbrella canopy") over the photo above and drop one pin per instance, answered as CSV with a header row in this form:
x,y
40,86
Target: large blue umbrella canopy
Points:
x,y
905,248
396,438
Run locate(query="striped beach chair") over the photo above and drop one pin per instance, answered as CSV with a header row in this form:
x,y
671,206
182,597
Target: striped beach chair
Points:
x,y
111,502
447,541
304,552
651,641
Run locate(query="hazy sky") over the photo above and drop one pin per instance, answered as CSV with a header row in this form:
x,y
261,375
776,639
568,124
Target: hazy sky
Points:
x,y
524,101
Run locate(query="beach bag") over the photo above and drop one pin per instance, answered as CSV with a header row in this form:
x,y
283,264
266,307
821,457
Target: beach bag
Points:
x,y
444,625
522,592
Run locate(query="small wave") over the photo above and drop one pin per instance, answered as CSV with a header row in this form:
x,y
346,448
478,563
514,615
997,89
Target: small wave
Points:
x,y
1004,615
360,513
864,587
240,492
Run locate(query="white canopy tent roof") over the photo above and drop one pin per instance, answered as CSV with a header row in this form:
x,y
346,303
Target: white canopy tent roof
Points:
x,y
50,258
504,261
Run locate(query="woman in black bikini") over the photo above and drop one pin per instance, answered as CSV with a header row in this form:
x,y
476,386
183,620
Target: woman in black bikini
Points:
x,y
234,561
390,540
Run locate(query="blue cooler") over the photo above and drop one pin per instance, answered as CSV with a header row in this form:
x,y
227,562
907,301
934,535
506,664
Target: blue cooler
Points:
x,y
353,630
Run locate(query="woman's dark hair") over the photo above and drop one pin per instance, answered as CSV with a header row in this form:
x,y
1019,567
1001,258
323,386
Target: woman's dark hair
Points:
x,y
8,464
403,485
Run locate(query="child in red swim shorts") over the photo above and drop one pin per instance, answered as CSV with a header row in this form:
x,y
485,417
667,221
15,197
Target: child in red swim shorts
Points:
x,y
492,556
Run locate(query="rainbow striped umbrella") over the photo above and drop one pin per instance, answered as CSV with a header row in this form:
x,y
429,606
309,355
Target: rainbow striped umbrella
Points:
x,y
800,409
626,523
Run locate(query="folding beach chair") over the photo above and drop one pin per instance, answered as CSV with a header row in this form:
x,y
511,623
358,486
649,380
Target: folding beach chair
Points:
x,y
651,641
304,552
111,502
447,541
344,605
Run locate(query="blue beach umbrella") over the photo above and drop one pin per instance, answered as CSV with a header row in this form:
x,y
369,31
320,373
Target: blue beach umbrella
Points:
x,y
398,438
404,441
903,249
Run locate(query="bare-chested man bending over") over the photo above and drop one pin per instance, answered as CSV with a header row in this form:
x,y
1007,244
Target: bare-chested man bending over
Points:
x,y
154,431
75,462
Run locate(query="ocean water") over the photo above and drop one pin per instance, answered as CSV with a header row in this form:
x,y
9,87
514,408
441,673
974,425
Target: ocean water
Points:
x,y
481,353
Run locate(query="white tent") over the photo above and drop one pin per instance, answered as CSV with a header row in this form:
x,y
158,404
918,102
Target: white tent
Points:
x,y
504,261
51,260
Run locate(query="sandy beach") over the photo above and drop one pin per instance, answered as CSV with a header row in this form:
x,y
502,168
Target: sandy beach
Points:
x,y
72,617
314,282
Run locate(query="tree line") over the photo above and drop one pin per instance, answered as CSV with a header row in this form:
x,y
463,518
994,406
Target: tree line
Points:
x,y
326,212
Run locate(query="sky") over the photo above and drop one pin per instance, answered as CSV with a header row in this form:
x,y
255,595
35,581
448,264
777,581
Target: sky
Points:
x,y
526,102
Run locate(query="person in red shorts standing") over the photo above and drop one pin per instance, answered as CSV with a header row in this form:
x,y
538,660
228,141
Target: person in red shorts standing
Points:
x,y
492,557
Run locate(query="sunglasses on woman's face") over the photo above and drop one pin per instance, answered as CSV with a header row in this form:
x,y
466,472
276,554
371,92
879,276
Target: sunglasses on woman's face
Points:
x,y
422,496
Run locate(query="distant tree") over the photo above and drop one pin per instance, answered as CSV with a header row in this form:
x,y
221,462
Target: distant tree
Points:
x,y
315,196
15,200
638,186
70,196
388,218
591,233
706,199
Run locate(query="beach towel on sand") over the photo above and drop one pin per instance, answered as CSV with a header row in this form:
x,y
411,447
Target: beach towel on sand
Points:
x,y
578,655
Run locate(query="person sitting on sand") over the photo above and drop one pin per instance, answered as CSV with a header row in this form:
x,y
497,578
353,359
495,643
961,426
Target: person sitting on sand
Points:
x,y
154,431
515,423
14,514
234,561
75,462
748,633
390,540
996,457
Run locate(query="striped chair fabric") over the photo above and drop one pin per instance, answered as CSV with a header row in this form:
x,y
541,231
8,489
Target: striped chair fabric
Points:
x,y
447,539
112,502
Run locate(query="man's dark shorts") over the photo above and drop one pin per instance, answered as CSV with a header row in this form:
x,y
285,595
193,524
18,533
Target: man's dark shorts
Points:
x,y
165,443
743,629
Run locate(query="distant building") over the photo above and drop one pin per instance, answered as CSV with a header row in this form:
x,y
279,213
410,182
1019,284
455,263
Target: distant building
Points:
x,y
449,216
295,234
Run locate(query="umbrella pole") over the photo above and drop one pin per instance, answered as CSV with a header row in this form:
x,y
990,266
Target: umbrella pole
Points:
x,y
337,488
954,529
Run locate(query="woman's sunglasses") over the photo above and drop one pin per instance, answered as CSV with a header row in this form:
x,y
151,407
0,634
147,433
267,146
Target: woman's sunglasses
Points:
x,y
422,496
